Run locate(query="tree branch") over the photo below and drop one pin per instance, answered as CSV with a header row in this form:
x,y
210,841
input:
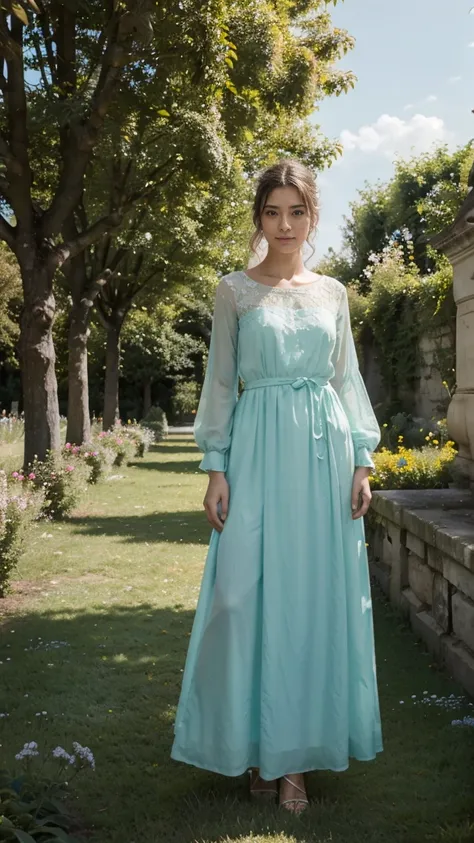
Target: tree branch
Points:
x,y
72,247
82,139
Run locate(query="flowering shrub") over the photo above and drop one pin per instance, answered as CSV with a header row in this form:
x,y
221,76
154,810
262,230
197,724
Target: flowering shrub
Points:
x,y
20,504
96,456
123,446
156,421
427,468
141,436
30,803
63,478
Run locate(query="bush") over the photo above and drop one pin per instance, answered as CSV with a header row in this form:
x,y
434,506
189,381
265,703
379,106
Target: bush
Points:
x,y
413,432
156,421
63,478
141,436
430,467
185,398
20,504
116,440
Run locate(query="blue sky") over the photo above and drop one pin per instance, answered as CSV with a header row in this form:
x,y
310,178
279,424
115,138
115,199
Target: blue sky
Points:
x,y
414,60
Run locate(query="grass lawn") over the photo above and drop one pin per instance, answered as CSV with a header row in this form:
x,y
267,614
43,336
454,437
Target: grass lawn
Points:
x,y
95,634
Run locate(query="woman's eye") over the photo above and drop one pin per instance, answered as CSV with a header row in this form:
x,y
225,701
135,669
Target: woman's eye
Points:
x,y
299,212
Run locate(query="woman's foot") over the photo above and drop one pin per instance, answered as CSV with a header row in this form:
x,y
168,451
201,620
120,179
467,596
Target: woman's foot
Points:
x,y
261,788
293,793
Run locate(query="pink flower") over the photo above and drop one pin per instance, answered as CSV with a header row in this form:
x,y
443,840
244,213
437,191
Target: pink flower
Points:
x,y
68,444
119,441
15,474
87,454
75,450
95,454
69,468
32,476
21,477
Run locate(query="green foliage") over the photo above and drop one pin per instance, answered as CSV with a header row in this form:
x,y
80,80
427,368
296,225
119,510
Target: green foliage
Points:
x,y
413,431
185,397
156,421
400,307
63,479
20,504
32,808
423,197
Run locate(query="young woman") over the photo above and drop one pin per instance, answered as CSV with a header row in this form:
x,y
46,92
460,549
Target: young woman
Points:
x,y
280,676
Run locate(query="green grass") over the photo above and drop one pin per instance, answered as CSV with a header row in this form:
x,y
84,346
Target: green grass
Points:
x,y
118,583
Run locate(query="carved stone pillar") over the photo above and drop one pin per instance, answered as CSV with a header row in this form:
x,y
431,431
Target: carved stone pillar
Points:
x,y
457,242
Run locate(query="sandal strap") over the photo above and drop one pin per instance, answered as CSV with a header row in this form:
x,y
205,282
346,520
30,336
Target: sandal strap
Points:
x,y
294,785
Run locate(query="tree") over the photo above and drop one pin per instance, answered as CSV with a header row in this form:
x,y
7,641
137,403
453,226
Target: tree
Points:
x,y
221,131
423,196
79,53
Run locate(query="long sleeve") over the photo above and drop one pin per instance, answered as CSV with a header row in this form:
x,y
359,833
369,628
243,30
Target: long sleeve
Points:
x,y
214,417
349,385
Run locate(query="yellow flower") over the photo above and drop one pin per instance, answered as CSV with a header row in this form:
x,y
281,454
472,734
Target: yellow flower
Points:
x,y
400,438
427,438
385,425
435,442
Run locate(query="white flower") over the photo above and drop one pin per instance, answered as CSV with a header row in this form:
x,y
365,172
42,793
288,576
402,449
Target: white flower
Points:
x,y
29,751
85,753
59,752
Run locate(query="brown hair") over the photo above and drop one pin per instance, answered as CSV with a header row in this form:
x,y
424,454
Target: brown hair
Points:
x,y
285,173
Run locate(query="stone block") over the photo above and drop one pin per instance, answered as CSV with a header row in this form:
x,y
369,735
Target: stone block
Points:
x,y
463,619
420,578
410,604
459,662
441,608
435,559
425,626
459,576
416,545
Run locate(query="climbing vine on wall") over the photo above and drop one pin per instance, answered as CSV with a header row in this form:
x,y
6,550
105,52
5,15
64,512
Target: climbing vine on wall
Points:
x,y
401,307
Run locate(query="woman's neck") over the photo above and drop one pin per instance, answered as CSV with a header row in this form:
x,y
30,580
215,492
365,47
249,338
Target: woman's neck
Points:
x,y
276,265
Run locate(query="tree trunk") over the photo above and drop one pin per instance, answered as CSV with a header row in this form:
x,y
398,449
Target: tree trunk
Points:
x,y
146,397
40,392
78,416
112,370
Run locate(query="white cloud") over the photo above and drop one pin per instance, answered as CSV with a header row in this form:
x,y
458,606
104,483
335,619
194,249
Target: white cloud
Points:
x,y
471,44
431,98
390,136
453,79
409,107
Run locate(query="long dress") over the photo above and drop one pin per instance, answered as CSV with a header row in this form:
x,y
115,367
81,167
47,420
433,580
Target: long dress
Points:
x,y
280,673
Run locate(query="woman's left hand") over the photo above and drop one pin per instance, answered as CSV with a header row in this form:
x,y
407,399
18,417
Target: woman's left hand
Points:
x,y
361,494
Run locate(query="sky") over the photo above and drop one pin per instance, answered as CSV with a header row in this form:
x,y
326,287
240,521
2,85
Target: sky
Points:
x,y
414,60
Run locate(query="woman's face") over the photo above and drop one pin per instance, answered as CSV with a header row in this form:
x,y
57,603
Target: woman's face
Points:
x,y
285,220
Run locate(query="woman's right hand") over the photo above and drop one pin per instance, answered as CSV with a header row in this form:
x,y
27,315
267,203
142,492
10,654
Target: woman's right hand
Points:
x,y
216,500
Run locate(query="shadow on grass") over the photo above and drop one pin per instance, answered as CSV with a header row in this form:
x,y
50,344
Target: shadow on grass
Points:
x,y
174,449
184,527
170,467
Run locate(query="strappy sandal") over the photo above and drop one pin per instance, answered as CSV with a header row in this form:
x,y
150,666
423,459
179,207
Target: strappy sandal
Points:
x,y
299,800
260,792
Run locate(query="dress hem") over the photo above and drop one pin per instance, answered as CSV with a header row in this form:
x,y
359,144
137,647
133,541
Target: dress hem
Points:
x,y
177,756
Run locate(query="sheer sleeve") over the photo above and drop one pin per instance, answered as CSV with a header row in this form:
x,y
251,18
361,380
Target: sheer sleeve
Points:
x,y
214,417
349,385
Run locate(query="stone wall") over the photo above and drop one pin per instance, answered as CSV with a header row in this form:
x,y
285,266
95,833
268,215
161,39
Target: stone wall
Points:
x,y
429,399
421,551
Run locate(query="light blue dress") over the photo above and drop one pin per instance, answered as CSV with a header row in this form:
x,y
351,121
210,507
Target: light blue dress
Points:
x,y
280,672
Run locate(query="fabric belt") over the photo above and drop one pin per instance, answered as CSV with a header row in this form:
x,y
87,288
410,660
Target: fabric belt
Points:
x,y
314,385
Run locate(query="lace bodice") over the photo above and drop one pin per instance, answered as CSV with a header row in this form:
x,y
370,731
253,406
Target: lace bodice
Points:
x,y
248,294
